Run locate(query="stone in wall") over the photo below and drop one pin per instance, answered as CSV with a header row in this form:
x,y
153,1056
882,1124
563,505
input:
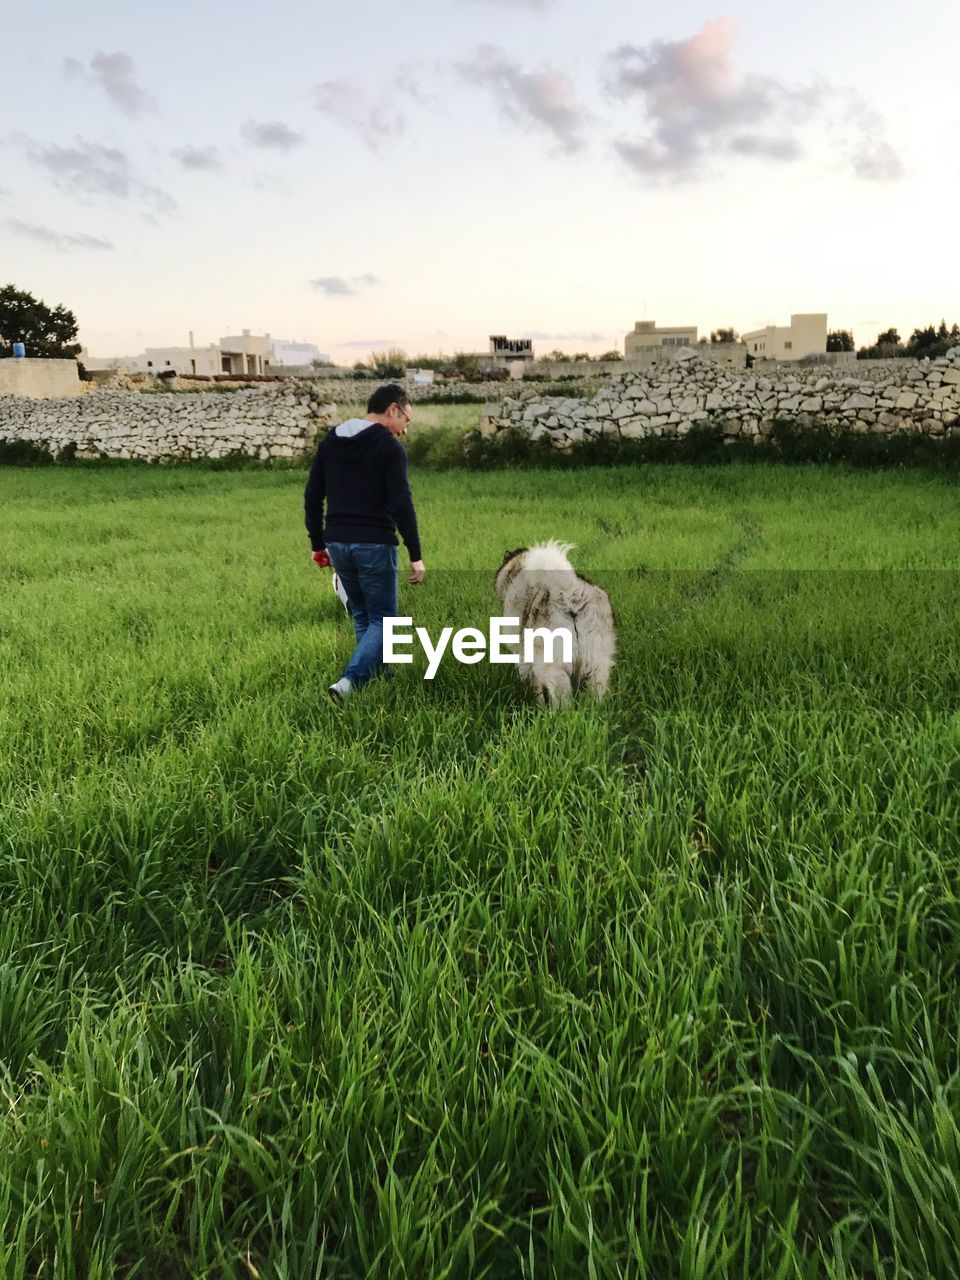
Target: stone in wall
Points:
x,y
912,396
272,421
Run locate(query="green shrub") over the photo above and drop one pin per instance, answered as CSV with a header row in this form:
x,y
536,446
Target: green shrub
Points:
x,y
788,442
24,453
437,449
453,397
702,444
792,442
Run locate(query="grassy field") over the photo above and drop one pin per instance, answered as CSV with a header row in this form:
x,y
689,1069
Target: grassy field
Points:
x,y
439,985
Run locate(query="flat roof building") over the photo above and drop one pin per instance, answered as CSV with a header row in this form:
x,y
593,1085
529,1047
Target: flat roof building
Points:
x,y
244,354
645,335
805,335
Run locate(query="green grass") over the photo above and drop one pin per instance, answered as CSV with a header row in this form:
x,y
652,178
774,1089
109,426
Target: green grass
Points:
x,y
436,437
440,985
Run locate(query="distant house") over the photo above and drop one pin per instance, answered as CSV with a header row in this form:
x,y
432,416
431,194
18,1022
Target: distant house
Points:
x,y
244,354
288,352
205,360
645,335
805,335
507,349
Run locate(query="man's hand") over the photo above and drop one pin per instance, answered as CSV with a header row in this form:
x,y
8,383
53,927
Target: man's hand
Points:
x,y
321,559
417,571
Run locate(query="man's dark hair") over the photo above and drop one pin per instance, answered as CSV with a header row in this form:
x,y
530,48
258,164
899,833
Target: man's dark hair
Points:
x,y
384,397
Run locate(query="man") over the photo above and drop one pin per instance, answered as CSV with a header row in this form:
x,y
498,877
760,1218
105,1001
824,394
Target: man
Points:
x,y
361,472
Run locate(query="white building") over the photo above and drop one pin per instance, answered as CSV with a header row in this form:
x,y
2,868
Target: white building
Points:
x,y
645,335
247,353
805,335
244,354
285,351
204,360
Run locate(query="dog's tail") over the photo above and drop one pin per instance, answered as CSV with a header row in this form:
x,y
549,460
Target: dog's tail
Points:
x,y
549,556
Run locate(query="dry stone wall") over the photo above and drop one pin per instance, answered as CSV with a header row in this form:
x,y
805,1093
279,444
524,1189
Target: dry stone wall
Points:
x,y
273,421
354,391
670,400
270,420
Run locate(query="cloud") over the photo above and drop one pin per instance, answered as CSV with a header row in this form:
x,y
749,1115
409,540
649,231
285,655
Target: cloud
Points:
x,y
271,135
56,239
538,336
698,107
538,99
872,157
338,287
766,148
334,287
89,169
696,104
114,74
875,160
377,121
198,158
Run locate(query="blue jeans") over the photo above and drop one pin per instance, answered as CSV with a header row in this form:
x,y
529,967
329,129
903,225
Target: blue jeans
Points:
x,y
368,571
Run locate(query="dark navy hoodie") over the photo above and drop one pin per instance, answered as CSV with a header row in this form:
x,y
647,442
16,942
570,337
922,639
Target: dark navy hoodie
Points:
x,y
362,476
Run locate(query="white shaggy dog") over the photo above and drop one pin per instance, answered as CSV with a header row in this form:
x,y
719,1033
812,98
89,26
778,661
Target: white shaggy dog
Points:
x,y
540,586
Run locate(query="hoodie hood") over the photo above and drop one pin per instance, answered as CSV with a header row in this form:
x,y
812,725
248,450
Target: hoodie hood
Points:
x,y
350,429
356,440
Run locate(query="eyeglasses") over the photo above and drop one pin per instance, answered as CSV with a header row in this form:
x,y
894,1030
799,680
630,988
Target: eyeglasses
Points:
x,y
405,412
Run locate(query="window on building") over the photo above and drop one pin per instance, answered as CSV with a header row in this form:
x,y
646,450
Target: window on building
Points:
x,y
788,346
149,364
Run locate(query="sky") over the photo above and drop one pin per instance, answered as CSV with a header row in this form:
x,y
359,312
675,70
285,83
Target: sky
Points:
x,y
375,175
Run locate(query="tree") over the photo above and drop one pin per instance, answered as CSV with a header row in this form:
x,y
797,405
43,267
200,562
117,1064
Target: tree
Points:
x,y
888,346
724,335
611,355
388,364
46,332
923,342
466,364
840,340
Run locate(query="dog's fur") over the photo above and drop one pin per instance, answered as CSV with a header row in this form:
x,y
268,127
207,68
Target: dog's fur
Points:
x,y
540,586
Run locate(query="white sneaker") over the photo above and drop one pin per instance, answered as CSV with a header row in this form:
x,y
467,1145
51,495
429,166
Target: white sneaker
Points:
x,y
342,690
